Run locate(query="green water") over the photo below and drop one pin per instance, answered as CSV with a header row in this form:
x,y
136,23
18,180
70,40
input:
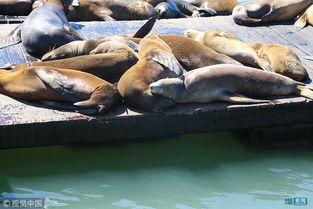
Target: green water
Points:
x,y
187,172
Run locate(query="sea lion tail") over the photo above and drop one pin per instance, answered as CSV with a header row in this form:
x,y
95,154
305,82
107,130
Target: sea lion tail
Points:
x,y
305,90
146,28
301,22
14,37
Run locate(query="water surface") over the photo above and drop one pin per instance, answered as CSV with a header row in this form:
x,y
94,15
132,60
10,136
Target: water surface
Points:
x,y
187,172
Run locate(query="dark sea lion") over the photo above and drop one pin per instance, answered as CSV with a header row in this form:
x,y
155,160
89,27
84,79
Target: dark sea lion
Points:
x,y
305,18
224,42
15,7
45,28
194,54
110,10
59,87
282,59
156,62
165,10
230,83
264,11
109,66
190,9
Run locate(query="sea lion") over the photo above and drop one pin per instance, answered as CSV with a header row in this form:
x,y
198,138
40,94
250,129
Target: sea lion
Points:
x,y
15,7
109,66
282,59
59,88
78,48
84,47
165,10
155,62
306,17
224,42
189,9
194,54
46,27
110,10
229,83
265,11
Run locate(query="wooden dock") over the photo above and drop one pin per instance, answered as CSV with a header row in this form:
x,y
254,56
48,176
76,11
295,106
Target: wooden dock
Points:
x,y
25,124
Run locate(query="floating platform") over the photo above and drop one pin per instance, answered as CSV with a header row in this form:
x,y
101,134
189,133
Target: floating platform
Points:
x,y
26,124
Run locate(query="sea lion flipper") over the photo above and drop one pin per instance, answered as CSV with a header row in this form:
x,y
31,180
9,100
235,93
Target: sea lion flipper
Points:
x,y
229,96
265,65
168,60
64,106
146,28
14,37
57,82
301,22
183,5
73,31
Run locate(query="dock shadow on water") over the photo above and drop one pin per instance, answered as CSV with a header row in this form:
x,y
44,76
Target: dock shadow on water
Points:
x,y
184,172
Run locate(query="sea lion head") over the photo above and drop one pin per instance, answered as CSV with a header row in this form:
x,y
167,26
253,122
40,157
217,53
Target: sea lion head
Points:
x,y
295,69
168,87
191,33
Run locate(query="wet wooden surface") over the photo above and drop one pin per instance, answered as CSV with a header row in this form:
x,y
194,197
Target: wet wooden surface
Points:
x,y
26,124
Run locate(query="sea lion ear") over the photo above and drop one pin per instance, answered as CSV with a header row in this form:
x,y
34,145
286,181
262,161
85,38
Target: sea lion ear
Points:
x,y
256,45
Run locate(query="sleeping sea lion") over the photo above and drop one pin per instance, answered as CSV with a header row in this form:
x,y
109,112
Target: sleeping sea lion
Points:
x,y
46,27
224,42
109,66
282,59
229,83
306,17
194,54
63,88
265,11
110,10
155,62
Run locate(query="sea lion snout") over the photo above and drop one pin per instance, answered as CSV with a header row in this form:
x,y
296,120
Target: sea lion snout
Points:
x,y
295,70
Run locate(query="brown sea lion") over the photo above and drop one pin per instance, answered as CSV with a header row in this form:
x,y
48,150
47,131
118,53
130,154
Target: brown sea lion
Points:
x,y
265,11
156,62
77,48
229,83
282,59
110,10
305,18
15,7
59,88
109,66
194,54
44,28
154,2
223,42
